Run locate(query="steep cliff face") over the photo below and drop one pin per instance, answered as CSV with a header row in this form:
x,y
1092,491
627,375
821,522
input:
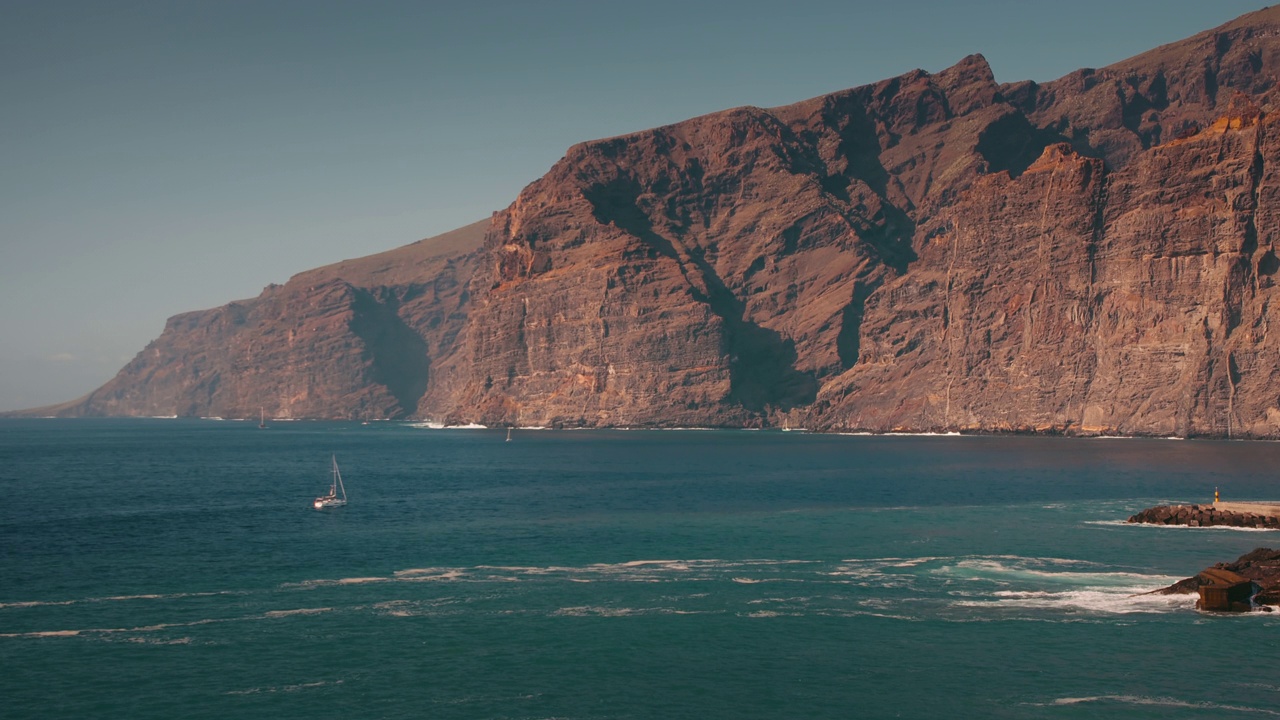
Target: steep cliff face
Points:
x,y
932,252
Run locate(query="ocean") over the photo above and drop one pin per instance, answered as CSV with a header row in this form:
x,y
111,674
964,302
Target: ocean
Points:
x,y
175,568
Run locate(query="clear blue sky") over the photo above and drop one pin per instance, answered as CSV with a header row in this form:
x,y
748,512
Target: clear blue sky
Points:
x,y
160,157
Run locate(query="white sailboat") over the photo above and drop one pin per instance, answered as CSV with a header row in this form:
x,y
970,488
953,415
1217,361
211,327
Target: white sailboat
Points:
x,y
337,496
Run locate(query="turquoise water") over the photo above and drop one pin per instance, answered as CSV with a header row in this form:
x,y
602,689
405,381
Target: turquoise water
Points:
x,y
172,568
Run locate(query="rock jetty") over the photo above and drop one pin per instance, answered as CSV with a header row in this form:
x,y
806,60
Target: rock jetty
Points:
x,y
1261,516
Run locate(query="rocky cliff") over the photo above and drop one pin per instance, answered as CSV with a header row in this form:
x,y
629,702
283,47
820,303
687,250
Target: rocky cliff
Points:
x,y
350,340
933,252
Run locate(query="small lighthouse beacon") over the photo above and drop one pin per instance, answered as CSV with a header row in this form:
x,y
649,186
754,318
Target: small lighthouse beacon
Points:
x,y
1215,496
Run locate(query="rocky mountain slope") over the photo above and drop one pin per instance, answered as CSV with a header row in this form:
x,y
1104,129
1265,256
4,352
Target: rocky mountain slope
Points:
x,y
932,252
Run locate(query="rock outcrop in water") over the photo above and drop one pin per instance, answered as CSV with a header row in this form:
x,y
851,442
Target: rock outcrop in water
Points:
x,y
1092,255
1262,566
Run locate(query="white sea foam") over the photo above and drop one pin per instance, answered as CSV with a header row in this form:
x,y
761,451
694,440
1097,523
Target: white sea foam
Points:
x,y
299,611
431,425
997,567
36,603
1109,601
597,611
158,641
1163,702
1224,528
158,627
419,571
442,576
42,633
911,563
114,598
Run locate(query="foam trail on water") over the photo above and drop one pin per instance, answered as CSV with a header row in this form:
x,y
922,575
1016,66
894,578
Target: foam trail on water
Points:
x,y
1092,600
268,615
114,598
1163,702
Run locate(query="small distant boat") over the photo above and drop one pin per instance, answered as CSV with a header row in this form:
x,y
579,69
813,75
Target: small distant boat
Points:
x,y
508,434
337,496
262,418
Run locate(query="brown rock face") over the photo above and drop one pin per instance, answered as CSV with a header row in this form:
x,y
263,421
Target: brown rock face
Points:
x,y
1261,565
932,252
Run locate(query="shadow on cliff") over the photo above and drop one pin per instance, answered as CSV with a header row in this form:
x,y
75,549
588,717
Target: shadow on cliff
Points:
x,y
1011,144
761,365
398,354
859,147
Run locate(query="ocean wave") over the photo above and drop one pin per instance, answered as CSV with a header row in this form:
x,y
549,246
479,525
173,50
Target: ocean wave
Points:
x,y
114,598
952,588
1111,601
648,570
1161,702
605,611
160,627
299,611
996,568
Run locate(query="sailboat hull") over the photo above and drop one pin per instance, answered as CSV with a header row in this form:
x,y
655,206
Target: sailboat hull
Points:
x,y
337,496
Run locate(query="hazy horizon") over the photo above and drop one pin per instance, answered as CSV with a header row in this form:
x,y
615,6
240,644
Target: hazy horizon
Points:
x,y
170,157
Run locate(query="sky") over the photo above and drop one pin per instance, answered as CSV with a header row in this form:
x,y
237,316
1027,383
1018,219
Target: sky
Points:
x,y
163,157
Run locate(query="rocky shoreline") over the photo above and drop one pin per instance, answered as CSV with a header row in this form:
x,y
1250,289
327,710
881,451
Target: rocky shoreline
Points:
x,y
1208,516
1261,566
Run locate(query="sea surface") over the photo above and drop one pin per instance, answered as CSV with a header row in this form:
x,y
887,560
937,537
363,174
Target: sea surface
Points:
x,y
176,569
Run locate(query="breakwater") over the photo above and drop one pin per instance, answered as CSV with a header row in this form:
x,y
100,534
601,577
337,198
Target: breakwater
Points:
x,y
1237,514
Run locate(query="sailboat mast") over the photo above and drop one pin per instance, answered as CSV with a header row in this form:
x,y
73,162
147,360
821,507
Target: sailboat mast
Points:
x,y
337,479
